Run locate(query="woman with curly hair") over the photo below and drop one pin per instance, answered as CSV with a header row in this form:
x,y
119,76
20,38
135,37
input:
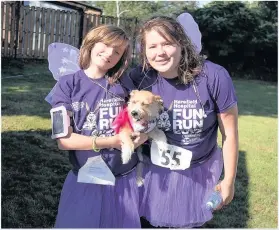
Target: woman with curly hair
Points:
x,y
199,98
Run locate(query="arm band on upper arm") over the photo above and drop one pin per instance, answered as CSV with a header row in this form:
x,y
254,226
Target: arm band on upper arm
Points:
x,y
60,122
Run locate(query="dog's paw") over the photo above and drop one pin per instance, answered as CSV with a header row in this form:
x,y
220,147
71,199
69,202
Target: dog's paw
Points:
x,y
127,151
162,145
140,181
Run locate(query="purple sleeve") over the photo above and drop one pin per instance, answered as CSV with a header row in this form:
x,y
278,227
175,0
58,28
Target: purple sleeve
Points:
x,y
223,91
62,92
127,83
136,75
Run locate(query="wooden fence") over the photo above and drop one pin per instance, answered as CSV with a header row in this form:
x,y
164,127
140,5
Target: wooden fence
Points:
x,y
27,31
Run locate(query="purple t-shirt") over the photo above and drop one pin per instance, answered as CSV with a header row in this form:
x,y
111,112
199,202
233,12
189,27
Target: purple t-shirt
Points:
x,y
94,109
183,119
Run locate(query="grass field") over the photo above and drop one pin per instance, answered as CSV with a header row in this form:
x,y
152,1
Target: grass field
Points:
x,y
33,169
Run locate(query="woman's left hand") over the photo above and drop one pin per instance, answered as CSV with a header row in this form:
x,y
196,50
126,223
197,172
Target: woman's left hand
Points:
x,y
227,192
139,138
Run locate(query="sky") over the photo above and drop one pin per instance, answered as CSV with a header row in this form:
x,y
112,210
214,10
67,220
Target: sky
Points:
x,y
201,3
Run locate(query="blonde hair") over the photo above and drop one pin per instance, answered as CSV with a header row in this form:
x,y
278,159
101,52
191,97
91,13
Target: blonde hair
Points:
x,y
109,35
190,63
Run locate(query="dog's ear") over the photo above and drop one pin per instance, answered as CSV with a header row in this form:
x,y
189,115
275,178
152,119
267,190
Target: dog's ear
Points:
x,y
133,92
159,100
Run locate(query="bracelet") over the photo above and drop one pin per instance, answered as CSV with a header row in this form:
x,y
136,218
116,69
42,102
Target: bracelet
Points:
x,y
94,144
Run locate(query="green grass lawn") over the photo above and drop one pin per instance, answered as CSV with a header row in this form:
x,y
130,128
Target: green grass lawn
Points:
x,y
33,169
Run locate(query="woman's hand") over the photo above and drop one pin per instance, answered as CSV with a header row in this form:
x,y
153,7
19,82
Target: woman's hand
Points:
x,y
139,138
227,191
116,142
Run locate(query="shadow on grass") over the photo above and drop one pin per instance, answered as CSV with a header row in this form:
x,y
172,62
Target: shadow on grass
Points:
x,y
236,214
25,95
33,171
12,67
256,98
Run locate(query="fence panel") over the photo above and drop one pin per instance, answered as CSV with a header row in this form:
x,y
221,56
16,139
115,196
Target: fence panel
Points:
x,y
43,34
57,26
20,33
52,25
27,31
72,28
26,35
77,29
37,32
7,29
12,30
2,21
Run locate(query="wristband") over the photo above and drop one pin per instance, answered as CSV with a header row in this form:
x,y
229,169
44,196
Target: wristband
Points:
x,y
94,144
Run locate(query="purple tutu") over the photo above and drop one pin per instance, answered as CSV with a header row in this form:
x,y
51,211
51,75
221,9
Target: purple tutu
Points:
x,y
177,198
85,205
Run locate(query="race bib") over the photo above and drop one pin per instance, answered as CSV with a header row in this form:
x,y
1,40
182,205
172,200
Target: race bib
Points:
x,y
96,171
173,157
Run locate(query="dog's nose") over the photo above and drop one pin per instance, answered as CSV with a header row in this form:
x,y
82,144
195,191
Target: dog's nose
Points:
x,y
134,113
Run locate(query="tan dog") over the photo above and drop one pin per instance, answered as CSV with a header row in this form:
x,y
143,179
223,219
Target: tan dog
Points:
x,y
140,115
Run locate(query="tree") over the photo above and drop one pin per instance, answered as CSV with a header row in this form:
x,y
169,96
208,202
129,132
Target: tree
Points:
x,y
269,10
239,36
145,9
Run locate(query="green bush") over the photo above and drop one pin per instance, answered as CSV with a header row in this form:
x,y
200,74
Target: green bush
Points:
x,y
240,37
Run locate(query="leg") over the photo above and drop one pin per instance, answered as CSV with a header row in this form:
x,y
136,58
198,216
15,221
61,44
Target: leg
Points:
x,y
140,179
127,146
159,137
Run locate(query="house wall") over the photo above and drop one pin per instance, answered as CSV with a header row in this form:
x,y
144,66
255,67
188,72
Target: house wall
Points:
x,y
90,11
47,5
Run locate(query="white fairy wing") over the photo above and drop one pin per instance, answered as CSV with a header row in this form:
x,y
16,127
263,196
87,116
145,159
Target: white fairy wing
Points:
x,y
62,60
191,28
48,98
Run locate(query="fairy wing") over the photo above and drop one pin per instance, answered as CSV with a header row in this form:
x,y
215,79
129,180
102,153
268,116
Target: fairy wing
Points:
x,y
191,28
62,60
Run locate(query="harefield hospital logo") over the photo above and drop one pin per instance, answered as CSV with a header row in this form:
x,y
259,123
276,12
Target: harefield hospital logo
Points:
x,y
187,120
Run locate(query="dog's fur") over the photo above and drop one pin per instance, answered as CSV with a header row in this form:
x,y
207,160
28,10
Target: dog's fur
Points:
x,y
143,107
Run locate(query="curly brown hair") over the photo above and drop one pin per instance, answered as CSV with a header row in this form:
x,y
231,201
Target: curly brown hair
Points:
x,y
111,36
190,64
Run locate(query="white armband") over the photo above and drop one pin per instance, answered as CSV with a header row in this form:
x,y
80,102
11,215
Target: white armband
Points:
x,y
60,122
